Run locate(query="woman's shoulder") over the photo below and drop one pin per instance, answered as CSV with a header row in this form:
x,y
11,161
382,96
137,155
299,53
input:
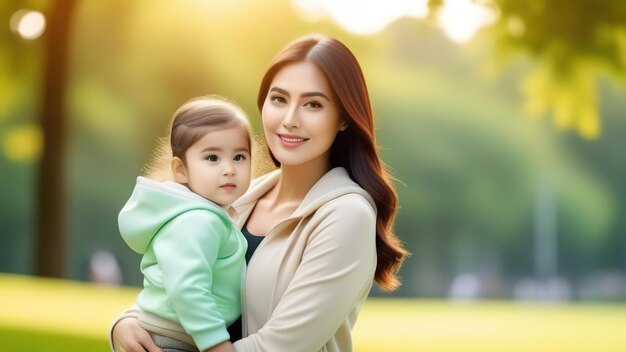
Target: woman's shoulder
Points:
x,y
345,222
336,191
349,206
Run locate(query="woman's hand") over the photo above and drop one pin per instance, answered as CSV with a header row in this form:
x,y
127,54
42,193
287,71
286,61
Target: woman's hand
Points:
x,y
128,336
225,346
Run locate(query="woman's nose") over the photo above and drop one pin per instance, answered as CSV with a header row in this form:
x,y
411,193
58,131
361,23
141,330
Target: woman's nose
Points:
x,y
291,118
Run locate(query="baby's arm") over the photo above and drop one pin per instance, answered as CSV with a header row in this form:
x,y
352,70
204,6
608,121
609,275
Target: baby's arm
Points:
x,y
187,249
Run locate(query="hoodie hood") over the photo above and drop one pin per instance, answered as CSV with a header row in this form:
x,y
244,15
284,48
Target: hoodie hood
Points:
x,y
334,184
152,204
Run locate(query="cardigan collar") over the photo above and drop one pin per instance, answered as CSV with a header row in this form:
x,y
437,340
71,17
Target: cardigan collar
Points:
x,y
335,183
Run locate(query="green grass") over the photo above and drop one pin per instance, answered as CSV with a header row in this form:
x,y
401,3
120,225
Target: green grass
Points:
x,y
55,315
30,340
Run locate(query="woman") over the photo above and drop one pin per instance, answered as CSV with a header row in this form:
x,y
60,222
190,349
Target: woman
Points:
x,y
324,219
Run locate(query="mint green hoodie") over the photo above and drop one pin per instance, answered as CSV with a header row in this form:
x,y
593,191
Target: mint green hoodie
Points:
x,y
193,259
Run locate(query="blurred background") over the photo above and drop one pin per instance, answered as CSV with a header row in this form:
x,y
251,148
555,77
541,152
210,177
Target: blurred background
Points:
x,y
502,121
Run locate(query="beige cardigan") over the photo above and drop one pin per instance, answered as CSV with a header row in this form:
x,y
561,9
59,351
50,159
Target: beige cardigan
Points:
x,y
307,280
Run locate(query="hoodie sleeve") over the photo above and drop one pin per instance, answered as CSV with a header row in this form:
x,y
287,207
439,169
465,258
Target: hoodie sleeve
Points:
x,y
186,250
336,271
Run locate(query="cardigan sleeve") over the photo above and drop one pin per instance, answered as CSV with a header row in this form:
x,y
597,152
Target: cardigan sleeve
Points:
x,y
336,270
186,250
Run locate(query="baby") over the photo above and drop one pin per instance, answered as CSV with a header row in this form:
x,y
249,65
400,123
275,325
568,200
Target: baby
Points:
x,y
193,255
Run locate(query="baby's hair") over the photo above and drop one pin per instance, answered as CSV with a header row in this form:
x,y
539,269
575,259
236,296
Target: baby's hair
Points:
x,y
192,121
198,116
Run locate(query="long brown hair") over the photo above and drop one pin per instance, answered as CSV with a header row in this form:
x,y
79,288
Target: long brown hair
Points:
x,y
355,148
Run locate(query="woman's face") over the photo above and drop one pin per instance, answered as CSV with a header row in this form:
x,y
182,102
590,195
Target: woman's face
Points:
x,y
301,116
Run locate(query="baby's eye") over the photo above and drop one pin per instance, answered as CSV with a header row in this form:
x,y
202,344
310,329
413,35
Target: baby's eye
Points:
x,y
278,99
239,157
212,157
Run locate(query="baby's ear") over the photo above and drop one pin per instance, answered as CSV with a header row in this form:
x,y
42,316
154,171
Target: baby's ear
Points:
x,y
179,170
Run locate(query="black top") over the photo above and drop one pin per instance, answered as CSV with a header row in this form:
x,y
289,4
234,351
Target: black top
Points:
x,y
253,242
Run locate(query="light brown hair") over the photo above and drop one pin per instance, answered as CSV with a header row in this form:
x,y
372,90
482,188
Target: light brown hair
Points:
x,y
192,121
355,148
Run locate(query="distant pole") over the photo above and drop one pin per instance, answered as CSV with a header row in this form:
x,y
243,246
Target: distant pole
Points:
x,y
51,215
545,233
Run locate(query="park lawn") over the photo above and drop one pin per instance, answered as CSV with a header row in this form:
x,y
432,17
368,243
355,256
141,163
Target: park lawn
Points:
x,y
44,314
39,314
438,326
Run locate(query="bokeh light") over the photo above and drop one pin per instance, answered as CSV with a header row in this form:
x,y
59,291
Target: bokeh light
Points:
x,y
28,24
516,26
23,143
461,19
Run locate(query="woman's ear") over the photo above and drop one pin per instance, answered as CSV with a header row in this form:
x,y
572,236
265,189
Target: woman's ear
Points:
x,y
343,125
179,170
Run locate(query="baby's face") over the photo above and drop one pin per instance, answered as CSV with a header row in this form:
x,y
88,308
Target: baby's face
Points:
x,y
218,165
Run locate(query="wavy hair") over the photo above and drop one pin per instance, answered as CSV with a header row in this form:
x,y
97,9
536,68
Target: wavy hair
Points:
x,y
355,148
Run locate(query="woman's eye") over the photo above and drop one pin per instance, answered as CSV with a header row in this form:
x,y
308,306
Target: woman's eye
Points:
x,y
278,99
212,157
239,157
313,104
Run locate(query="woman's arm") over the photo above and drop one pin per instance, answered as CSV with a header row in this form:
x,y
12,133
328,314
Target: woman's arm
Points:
x,y
336,272
128,336
225,346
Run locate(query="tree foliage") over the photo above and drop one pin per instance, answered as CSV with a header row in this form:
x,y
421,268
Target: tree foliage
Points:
x,y
570,44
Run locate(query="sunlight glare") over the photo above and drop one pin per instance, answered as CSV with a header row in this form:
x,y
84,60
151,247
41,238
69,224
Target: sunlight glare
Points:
x,y
28,24
362,17
310,10
461,19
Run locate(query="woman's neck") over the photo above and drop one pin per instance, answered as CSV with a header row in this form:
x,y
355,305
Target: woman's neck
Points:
x,y
296,181
280,202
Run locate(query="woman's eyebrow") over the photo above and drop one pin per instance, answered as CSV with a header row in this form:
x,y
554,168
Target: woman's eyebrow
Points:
x,y
304,95
315,94
279,90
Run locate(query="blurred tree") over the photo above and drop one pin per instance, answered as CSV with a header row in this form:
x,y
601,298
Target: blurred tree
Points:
x,y
570,44
471,164
51,206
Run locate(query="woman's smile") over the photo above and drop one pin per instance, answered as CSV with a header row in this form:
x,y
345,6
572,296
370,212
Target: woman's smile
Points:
x,y
291,141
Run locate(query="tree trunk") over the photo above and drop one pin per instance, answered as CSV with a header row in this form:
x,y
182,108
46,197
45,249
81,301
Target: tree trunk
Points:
x,y
51,206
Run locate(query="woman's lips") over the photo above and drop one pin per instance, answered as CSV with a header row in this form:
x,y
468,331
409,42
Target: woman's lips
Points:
x,y
291,141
